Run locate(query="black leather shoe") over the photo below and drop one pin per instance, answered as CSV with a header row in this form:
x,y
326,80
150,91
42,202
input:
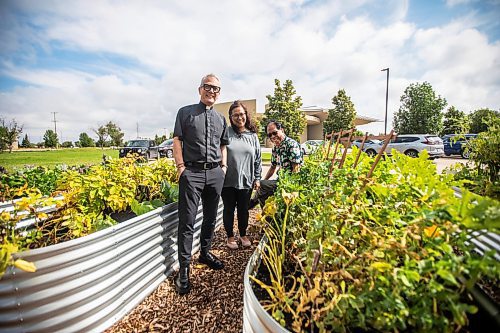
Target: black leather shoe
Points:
x,y
182,284
211,261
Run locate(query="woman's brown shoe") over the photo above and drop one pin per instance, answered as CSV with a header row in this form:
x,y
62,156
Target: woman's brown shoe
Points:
x,y
245,242
231,243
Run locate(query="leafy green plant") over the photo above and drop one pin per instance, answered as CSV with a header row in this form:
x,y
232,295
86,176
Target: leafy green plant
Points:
x,y
88,201
482,174
144,207
385,253
43,178
485,150
169,191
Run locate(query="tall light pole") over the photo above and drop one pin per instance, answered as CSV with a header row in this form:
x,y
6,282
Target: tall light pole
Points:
x,y
386,98
55,128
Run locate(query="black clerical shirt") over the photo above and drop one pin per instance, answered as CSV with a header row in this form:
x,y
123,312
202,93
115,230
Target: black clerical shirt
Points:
x,y
202,131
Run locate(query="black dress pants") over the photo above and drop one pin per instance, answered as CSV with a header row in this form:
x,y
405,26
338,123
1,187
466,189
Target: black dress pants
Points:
x,y
195,184
239,199
267,189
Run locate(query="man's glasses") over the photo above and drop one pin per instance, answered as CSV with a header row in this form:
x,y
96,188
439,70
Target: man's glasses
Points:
x,y
270,135
208,87
238,115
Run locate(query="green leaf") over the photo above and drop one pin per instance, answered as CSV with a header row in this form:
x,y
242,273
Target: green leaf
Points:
x,y
381,266
447,276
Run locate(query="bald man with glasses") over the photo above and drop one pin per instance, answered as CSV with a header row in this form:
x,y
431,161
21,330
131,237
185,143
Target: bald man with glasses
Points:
x,y
200,140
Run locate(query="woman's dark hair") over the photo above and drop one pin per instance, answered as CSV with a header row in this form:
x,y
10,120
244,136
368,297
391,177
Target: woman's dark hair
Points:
x,y
249,125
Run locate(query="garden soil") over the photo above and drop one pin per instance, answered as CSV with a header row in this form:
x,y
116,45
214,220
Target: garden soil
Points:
x,y
215,303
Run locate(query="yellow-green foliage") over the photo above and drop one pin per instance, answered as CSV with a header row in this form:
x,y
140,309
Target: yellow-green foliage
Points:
x,y
87,202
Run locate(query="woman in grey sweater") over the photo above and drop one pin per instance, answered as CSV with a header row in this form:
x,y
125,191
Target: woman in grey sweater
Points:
x,y
244,167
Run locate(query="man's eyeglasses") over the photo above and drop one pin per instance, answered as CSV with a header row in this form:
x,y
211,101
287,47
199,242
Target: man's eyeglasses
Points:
x,y
238,115
208,87
270,135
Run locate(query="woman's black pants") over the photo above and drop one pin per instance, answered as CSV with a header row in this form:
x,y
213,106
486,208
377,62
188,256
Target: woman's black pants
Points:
x,y
239,199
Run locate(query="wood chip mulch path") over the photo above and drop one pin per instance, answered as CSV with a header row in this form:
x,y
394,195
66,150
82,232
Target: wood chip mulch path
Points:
x,y
215,302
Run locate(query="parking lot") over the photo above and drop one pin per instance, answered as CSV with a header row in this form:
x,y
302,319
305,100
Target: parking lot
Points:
x,y
444,162
441,163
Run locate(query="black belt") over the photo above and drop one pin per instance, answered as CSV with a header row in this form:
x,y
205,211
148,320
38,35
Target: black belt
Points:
x,y
202,165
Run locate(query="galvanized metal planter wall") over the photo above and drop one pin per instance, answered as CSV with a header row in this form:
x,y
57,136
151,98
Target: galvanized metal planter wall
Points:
x,y
255,318
88,284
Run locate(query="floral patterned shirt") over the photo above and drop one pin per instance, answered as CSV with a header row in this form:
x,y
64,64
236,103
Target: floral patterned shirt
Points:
x,y
286,153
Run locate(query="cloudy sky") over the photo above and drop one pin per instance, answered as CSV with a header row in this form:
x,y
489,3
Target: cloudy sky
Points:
x,y
137,62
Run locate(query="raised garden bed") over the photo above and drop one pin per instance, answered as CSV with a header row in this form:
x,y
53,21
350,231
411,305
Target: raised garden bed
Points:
x,y
387,252
89,283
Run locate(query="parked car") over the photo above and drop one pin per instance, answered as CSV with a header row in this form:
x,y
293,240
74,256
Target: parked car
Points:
x,y
411,145
357,143
310,146
143,147
166,148
455,144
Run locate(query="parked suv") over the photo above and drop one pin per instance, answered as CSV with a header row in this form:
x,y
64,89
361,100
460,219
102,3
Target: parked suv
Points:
x,y
143,147
357,142
411,145
454,144
167,148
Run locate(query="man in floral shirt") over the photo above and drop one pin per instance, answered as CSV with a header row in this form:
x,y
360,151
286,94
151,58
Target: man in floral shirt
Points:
x,y
286,154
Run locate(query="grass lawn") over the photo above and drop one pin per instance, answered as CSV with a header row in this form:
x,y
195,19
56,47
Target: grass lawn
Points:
x,y
49,158
266,156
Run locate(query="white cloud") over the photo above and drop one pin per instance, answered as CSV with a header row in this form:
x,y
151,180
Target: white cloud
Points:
x,y
148,58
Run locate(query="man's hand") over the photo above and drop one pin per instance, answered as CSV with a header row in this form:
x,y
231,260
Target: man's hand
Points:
x,y
180,170
256,185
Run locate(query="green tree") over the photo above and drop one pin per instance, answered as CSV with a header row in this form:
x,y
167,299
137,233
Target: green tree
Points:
x,y
115,133
102,136
50,139
420,110
84,140
455,122
3,136
342,115
284,107
479,119
9,134
26,142
67,144
485,150
160,139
